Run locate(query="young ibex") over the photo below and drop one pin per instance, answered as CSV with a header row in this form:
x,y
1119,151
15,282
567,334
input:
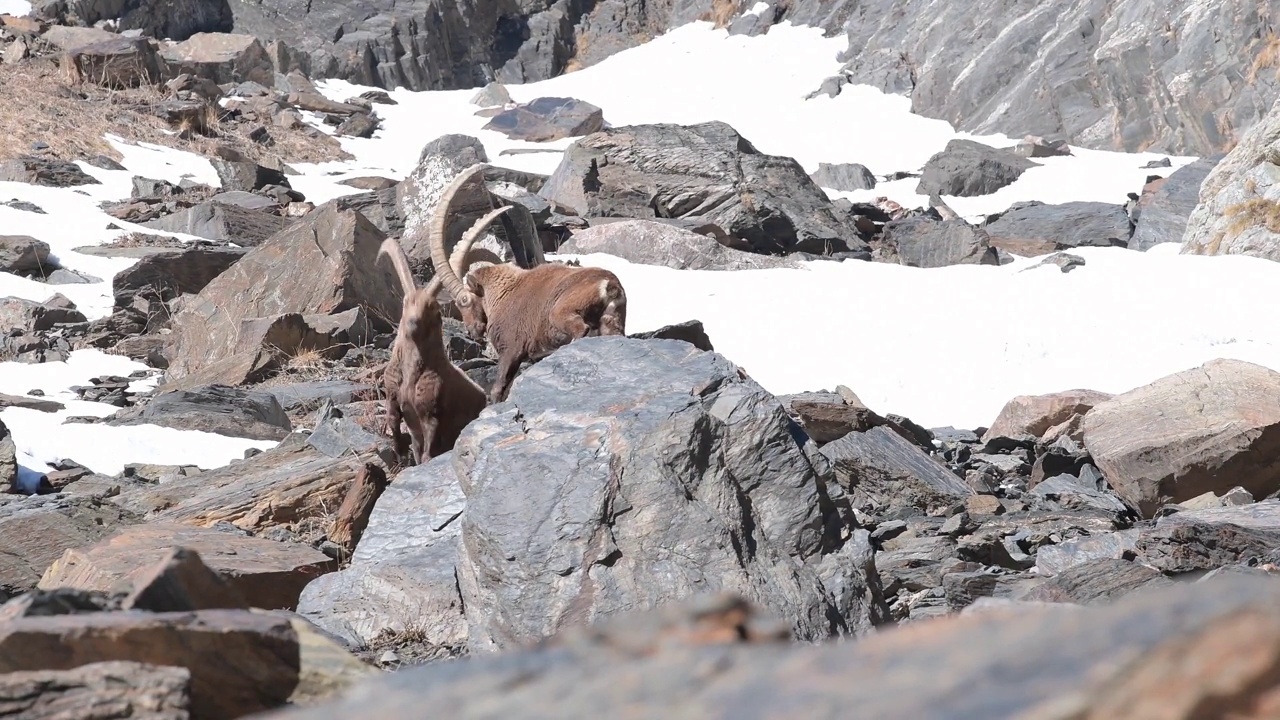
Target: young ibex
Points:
x,y
526,314
435,398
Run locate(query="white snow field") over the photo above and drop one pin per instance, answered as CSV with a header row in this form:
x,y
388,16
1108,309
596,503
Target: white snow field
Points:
x,y
15,7
944,346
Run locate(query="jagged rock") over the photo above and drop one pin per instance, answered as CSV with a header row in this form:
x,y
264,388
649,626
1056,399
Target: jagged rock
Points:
x,y
276,488
267,574
1107,77
924,242
829,416
1153,652
1045,417
234,412
884,471
844,177
1072,492
1034,228
35,532
1101,580
22,254
1209,428
118,63
37,317
690,331
44,171
548,118
1198,540
221,57
1053,559
172,20
168,274
966,168
379,206
1238,212
760,515
1166,205
401,580
240,662
321,265
222,221
513,238
708,171
101,690
179,581
653,243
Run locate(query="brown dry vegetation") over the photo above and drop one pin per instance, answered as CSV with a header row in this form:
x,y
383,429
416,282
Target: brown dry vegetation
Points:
x,y
41,102
1268,56
1254,212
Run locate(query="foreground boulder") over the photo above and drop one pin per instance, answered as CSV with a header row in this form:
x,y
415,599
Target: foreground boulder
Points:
x,y
267,574
1206,429
707,171
1158,652
1237,212
663,473
324,264
1034,228
35,531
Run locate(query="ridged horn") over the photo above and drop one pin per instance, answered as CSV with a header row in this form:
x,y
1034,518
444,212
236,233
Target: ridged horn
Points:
x,y
436,236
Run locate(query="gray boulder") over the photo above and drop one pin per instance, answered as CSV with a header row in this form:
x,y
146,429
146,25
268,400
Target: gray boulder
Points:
x,y
1131,75
1166,205
168,274
654,243
1239,205
844,177
548,118
924,242
215,220
1033,228
234,412
966,168
22,254
709,171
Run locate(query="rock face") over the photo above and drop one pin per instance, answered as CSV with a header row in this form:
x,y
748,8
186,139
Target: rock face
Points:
x,y
1239,205
646,511
654,243
324,264
167,20
1110,77
267,574
707,171
967,168
1152,654
1031,229
1205,429
666,475
1167,204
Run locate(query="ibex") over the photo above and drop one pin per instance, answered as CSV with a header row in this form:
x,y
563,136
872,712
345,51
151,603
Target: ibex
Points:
x,y
526,314
435,398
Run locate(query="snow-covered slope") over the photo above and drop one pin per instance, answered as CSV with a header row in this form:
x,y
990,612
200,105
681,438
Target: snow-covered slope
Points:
x,y
945,346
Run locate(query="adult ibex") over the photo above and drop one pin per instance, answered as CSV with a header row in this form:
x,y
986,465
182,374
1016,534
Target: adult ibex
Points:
x,y
526,314
435,398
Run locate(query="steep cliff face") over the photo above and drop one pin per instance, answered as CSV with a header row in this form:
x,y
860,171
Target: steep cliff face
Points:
x,y
1177,76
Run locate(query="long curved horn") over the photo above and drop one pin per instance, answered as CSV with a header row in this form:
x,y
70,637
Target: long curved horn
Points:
x,y
392,249
436,238
458,260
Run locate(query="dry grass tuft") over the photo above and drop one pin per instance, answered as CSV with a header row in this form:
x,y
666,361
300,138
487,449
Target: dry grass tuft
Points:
x,y
1268,57
1254,212
722,12
44,101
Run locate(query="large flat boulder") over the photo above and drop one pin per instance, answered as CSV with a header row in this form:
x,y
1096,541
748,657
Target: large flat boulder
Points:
x,y
240,662
767,202
1207,429
1160,652
663,473
214,220
35,531
648,242
1034,228
547,118
234,412
322,265
266,573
